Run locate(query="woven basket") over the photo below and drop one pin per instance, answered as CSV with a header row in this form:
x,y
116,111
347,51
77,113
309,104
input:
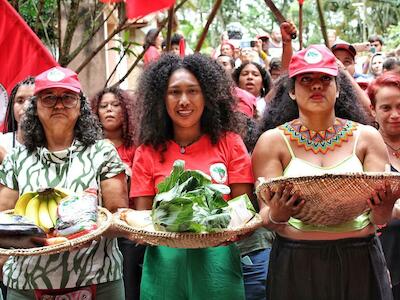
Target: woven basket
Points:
x,y
332,199
184,239
103,221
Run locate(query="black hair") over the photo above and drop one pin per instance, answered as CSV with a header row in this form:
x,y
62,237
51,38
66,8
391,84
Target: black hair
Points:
x,y
151,37
156,127
266,78
283,109
87,129
10,122
176,38
390,63
231,60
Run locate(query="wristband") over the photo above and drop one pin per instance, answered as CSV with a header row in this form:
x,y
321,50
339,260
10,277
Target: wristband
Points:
x,y
275,222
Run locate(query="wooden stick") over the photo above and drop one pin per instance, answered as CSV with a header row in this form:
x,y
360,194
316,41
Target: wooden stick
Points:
x,y
169,31
211,17
322,22
301,25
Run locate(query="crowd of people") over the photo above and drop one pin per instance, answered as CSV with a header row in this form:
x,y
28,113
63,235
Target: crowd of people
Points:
x,y
236,116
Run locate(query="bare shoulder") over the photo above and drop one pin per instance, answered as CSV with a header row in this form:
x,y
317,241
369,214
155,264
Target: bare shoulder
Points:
x,y
271,139
369,135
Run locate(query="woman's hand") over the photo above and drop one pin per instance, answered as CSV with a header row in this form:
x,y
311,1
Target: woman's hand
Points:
x,y
381,204
281,205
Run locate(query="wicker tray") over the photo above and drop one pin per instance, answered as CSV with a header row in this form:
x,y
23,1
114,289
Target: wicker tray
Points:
x,y
103,222
332,199
183,239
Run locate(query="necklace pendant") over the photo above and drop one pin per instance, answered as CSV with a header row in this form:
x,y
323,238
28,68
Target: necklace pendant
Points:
x,y
182,150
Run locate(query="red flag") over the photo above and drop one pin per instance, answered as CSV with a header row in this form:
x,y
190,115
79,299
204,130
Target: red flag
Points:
x,y
141,8
22,53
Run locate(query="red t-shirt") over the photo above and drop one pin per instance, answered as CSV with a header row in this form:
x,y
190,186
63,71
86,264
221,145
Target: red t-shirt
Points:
x,y
152,54
126,154
226,162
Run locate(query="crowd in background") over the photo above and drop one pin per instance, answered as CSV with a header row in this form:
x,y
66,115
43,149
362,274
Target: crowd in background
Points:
x,y
240,109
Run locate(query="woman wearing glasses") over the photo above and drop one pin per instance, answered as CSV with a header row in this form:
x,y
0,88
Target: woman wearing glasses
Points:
x,y
63,148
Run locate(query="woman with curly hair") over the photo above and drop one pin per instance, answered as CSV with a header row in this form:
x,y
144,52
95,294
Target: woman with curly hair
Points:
x,y
317,131
188,114
114,109
253,78
62,148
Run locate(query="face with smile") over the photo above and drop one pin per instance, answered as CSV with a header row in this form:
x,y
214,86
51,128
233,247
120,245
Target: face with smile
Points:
x,y
63,114
315,92
184,101
250,79
21,100
110,112
387,110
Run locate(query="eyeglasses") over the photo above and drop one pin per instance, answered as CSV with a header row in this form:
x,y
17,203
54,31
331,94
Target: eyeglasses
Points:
x,y
68,100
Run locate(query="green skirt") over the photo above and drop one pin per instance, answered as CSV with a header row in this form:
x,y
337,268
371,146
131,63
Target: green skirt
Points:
x,y
191,274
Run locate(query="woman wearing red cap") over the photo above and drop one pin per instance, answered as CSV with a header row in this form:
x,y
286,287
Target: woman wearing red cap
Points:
x,y
384,93
62,148
313,261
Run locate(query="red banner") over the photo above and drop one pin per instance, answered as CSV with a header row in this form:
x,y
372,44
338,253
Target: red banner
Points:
x,y
141,8
22,53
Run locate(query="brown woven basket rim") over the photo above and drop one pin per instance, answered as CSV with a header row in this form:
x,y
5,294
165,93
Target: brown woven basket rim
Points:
x,y
355,175
254,223
104,224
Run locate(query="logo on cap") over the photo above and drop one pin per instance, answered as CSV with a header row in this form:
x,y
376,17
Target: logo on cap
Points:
x,y
313,56
55,75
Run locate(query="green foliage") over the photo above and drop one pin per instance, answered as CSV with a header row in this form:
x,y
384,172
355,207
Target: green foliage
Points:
x,y
45,23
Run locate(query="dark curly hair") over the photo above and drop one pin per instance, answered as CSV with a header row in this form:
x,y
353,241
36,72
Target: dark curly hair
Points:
x,y
266,78
218,116
283,109
9,121
87,129
127,103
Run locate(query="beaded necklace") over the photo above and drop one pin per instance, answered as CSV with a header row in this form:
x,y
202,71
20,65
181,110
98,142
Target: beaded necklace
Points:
x,y
319,141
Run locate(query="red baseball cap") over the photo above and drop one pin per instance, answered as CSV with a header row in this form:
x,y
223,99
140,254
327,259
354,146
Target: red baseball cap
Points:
x,y
340,44
315,58
57,77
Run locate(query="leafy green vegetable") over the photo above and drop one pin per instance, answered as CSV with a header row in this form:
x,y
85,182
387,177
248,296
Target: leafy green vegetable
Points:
x,y
188,201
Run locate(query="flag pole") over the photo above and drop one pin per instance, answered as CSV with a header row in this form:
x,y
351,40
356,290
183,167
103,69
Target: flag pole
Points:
x,y
301,23
170,23
211,17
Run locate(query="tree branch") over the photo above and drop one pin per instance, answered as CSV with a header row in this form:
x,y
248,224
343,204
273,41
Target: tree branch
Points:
x,y
88,37
70,29
38,19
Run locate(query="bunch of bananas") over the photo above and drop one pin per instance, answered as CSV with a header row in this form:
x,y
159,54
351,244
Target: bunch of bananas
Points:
x,y
41,206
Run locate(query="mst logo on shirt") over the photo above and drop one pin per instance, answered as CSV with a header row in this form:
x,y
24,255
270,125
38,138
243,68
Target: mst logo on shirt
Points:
x,y
219,173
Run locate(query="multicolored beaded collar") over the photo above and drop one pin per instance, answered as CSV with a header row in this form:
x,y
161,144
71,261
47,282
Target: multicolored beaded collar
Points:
x,y
319,141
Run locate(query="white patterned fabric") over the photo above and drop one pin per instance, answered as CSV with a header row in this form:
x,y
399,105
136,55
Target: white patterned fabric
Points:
x,y
77,168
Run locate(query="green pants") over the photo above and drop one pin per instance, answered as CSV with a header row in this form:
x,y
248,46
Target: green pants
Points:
x,y
192,274
113,290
